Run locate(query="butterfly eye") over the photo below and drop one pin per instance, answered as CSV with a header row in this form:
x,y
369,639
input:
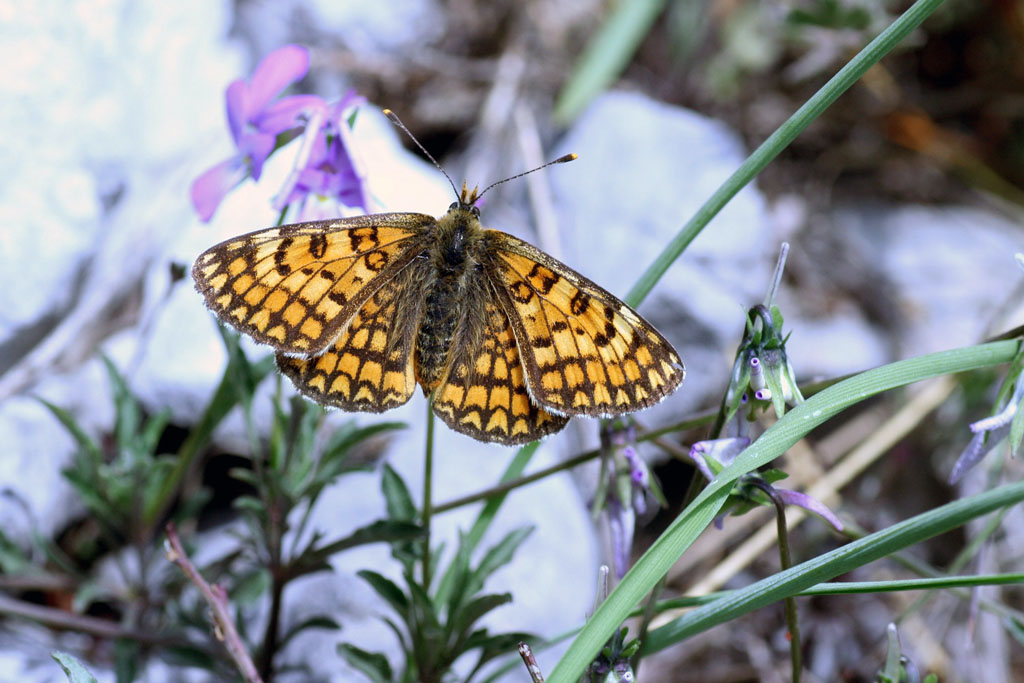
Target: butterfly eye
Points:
x,y
454,206
476,211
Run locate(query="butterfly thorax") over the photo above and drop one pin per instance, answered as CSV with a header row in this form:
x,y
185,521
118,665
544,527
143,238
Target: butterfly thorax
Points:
x,y
457,245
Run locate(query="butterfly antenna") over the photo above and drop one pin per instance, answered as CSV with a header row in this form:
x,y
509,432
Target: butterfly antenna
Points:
x,y
398,122
559,160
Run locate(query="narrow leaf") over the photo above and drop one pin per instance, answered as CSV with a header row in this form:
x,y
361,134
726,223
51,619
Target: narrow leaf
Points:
x,y
396,494
387,589
373,664
74,669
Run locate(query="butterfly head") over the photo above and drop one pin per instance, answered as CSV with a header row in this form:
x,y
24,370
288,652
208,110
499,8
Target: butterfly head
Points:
x,y
467,201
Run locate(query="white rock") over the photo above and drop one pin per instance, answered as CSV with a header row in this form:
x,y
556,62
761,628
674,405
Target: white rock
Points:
x,y
380,26
951,268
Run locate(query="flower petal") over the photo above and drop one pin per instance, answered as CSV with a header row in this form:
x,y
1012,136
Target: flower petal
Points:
x,y
275,72
808,503
286,112
209,189
237,100
977,449
256,147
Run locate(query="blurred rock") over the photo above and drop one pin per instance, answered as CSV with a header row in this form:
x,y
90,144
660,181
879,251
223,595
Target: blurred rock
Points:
x,y
949,270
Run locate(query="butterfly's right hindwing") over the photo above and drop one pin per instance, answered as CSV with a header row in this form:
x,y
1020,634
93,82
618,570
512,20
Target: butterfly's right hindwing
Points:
x,y
484,394
296,287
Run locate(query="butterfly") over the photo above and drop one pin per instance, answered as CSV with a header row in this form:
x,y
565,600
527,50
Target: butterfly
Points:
x,y
508,342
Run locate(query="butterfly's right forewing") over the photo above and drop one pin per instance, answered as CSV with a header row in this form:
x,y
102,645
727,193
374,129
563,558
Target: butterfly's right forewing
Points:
x,y
296,287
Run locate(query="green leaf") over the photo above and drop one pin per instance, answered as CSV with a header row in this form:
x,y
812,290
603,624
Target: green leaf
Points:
x,y
498,645
224,399
462,622
606,55
348,435
246,476
84,441
126,409
251,586
249,504
149,438
381,531
387,589
891,672
396,495
1017,426
13,560
1015,628
373,664
319,621
126,657
74,669
425,616
457,580
501,553
188,656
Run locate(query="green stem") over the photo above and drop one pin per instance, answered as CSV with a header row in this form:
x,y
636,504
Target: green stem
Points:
x,y
785,562
511,484
428,487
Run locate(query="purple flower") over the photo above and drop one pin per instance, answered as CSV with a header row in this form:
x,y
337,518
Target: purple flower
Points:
x,y
326,176
256,118
810,504
989,432
625,484
714,455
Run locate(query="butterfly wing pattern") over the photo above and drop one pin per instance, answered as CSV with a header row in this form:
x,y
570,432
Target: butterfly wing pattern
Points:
x,y
296,287
585,352
485,393
509,342
369,368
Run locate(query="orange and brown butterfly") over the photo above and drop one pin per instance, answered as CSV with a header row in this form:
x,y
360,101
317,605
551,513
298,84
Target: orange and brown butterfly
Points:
x,y
507,341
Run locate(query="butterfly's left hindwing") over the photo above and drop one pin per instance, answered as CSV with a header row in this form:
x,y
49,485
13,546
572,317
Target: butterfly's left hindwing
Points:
x,y
297,286
585,352
369,368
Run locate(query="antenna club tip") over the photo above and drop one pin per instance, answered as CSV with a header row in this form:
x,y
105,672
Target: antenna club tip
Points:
x,y
567,157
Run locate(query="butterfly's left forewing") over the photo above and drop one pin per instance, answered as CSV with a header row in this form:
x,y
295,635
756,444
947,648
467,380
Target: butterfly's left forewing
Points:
x,y
297,286
585,352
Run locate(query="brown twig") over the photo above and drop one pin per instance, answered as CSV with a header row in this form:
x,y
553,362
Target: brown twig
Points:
x,y
62,619
531,663
217,599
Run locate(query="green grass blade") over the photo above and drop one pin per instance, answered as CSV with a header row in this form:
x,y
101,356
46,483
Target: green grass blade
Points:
x,y
834,563
606,55
787,431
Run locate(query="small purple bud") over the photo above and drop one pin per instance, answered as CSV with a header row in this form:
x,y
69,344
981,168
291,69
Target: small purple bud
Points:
x,y
763,394
978,448
811,504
